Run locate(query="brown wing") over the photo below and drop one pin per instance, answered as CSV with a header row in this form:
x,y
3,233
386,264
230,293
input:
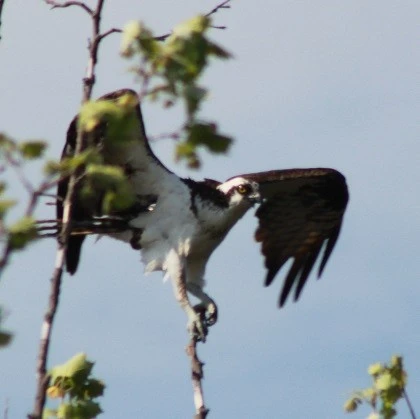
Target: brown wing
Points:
x,y
137,151
302,212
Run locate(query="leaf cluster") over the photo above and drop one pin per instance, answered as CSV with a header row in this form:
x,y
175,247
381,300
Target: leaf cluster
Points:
x,y
389,382
72,383
107,127
173,68
14,154
5,336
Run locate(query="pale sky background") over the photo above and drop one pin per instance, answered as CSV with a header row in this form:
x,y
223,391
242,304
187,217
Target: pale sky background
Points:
x,y
332,84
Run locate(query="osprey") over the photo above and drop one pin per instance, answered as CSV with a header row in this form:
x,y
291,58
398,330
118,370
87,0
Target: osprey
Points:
x,y
177,223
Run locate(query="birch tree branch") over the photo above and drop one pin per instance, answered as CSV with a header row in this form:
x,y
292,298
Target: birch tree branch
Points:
x,y
46,330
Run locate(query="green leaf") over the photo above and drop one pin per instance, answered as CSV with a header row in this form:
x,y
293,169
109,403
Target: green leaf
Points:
x,y
5,338
94,388
193,95
383,381
119,116
206,134
375,369
112,183
7,143
195,25
85,409
32,149
75,366
5,205
68,165
351,404
49,413
136,37
22,232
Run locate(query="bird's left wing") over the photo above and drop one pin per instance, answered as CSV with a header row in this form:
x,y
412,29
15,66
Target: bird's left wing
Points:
x,y
301,213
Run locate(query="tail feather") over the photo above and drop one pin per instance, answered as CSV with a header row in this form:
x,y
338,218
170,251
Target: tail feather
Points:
x,y
74,248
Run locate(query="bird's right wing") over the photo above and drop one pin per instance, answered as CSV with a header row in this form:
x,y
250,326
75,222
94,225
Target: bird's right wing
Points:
x,y
128,149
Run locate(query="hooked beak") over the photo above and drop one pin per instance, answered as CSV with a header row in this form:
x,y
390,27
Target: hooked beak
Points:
x,y
255,198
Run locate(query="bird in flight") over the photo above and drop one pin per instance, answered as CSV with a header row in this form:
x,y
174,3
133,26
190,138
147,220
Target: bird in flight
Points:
x,y
177,223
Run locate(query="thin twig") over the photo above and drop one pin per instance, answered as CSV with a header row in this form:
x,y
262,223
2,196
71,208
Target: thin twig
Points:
x,y
1,10
223,5
109,32
175,135
16,165
57,5
197,375
410,406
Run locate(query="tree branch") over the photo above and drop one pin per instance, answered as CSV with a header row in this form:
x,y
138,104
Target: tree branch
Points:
x,y
410,406
109,32
1,10
56,5
223,5
88,82
197,375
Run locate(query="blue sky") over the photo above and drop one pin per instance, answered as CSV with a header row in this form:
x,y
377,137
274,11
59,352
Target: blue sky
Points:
x,y
333,85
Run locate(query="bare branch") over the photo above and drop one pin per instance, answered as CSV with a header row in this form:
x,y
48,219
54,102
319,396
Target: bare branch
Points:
x,y
223,5
16,165
197,375
410,406
57,5
66,228
175,135
108,32
1,10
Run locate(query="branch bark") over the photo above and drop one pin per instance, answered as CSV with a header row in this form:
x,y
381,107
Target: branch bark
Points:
x,y
88,83
197,374
1,10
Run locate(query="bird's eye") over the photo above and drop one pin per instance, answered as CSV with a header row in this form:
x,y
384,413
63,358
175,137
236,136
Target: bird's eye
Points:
x,y
242,189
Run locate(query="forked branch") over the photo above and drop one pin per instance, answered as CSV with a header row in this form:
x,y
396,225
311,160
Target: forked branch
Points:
x,y
66,228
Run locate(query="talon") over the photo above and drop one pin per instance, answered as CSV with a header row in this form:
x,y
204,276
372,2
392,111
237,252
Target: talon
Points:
x,y
208,312
197,326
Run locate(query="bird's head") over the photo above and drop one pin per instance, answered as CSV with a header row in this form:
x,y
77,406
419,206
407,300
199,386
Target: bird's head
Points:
x,y
241,191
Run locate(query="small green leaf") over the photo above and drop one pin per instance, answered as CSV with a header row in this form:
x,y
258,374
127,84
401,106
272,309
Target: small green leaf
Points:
x,y
7,143
5,205
375,369
5,338
119,116
110,182
193,95
74,366
383,381
206,134
94,388
351,404
32,149
195,25
22,232
83,409
136,37
218,51
49,413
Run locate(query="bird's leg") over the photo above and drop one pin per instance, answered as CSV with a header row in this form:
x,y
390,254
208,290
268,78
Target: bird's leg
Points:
x,y
197,324
207,308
